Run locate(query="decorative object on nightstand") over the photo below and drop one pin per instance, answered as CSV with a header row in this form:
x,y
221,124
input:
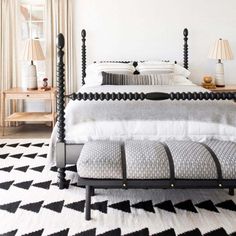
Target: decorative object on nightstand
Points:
x,y
33,52
45,82
45,85
220,51
208,83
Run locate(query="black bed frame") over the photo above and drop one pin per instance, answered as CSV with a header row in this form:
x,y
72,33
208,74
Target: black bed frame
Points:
x,y
63,149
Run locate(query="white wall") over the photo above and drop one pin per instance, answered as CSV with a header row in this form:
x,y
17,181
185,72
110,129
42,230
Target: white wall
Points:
x,y
152,29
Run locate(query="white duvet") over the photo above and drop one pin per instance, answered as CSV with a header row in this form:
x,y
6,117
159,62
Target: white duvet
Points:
x,y
152,120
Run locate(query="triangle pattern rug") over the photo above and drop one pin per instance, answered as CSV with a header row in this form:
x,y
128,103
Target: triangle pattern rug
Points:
x,y
31,203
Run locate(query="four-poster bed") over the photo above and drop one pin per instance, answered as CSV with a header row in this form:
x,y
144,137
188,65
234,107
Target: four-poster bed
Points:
x,y
68,152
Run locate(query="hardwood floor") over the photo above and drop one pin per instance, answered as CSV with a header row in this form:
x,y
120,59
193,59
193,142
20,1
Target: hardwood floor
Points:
x,y
27,131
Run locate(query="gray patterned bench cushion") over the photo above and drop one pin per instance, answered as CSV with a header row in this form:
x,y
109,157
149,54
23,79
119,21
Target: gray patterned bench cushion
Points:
x,y
150,160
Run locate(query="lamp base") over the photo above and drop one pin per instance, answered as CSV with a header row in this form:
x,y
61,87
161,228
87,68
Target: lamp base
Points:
x,y
32,78
220,80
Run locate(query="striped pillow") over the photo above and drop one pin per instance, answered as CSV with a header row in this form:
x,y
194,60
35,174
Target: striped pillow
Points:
x,y
125,79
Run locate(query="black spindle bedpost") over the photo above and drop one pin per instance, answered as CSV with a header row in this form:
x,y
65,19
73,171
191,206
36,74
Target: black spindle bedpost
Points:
x,y
60,89
83,34
185,48
61,113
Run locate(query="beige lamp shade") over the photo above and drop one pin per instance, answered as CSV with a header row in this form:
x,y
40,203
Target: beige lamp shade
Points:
x,y
33,51
221,50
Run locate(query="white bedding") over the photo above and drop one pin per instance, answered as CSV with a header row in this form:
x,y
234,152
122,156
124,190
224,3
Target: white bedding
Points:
x,y
195,120
152,120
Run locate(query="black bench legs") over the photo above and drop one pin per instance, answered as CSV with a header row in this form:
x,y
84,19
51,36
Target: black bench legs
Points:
x,y
89,193
231,191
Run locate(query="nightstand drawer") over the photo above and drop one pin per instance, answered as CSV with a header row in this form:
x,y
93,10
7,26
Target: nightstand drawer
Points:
x,y
29,96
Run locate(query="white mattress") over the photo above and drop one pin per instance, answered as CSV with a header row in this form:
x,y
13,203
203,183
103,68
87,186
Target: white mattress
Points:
x,y
152,120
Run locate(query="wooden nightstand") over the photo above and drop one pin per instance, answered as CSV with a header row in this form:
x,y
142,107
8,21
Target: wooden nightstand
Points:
x,y
227,88
20,94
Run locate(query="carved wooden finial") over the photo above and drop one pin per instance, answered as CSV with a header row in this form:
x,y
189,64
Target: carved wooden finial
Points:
x,y
60,41
185,32
83,33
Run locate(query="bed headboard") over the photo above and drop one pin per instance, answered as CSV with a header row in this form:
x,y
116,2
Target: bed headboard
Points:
x,y
83,34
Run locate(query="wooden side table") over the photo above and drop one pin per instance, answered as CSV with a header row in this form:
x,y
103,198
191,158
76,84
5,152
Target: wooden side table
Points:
x,y
15,94
227,88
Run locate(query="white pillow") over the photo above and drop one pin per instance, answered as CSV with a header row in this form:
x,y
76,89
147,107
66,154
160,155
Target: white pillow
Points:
x,y
152,67
181,80
155,67
180,70
94,71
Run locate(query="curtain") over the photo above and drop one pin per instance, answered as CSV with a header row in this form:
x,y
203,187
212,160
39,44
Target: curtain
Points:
x,y
8,46
59,20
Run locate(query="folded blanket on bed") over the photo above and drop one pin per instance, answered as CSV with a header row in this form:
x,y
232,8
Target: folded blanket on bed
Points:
x,y
222,112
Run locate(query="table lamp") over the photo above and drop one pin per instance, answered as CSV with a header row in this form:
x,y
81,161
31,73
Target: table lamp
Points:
x,y
220,51
32,52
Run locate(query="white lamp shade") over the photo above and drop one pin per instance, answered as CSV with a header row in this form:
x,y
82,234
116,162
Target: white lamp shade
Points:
x,y
33,51
221,50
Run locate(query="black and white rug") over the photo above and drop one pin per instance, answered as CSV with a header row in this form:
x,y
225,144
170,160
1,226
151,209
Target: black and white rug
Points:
x,y
31,204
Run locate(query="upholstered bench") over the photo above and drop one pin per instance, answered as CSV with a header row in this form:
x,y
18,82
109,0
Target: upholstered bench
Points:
x,y
152,164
